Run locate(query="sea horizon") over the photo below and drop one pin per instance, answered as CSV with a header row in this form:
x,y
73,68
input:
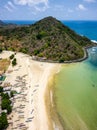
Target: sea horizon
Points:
x,y
86,28
20,22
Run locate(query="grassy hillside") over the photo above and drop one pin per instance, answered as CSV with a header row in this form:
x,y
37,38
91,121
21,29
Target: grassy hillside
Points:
x,y
47,38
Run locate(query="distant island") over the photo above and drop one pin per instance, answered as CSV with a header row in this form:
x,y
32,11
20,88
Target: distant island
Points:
x,y
47,40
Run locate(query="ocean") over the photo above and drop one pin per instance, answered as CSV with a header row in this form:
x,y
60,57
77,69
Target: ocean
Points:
x,y
75,96
76,85
86,28
20,22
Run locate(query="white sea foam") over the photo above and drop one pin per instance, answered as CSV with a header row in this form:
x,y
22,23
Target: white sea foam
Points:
x,y
94,41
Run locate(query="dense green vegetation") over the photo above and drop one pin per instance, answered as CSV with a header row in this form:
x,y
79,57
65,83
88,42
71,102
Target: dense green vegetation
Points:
x,y
5,105
3,121
47,38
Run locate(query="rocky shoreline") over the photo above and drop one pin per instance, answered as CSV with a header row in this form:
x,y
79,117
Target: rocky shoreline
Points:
x,y
66,62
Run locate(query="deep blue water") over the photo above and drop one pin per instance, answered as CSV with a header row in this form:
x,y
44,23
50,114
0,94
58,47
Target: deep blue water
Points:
x,y
86,28
18,22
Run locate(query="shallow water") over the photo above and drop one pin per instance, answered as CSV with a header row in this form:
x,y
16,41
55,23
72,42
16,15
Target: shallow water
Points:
x,y
76,95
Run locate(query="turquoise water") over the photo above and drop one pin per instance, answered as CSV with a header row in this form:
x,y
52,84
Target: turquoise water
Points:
x,y
76,94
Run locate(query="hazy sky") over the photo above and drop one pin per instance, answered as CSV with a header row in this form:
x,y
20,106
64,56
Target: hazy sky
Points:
x,y
37,9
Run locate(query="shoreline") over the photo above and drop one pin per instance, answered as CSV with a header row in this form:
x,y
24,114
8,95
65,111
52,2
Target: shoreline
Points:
x,y
40,92
55,120
68,62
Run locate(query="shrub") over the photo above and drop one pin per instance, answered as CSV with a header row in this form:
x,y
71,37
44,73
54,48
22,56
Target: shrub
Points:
x,y
3,121
40,35
12,56
4,96
36,52
1,89
61,60
1,50
46,45
9,109
14,62
12,93
24,50
5,103
40,55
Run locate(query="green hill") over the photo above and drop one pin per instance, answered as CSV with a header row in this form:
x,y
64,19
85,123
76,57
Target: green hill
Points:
x,y
47,38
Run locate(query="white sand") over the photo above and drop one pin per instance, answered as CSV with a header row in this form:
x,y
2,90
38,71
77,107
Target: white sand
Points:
x,y
33,115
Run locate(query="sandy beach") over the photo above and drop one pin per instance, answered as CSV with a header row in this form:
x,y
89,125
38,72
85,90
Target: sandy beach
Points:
x,y
29,79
